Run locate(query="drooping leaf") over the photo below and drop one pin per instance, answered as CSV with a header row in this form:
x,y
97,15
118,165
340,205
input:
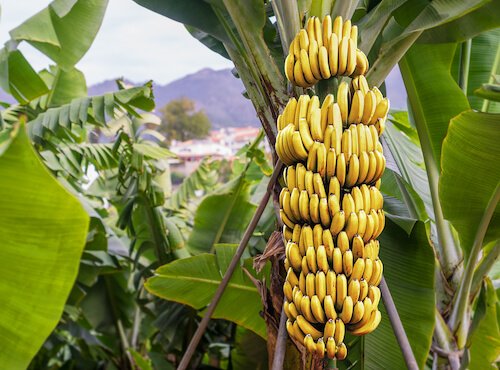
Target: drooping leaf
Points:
x,y
470,174
193,281
43,230
433,94
68,85
64,39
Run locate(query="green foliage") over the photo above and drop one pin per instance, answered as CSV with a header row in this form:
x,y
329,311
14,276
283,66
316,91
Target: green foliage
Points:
x,y
181,122
193,281
43,231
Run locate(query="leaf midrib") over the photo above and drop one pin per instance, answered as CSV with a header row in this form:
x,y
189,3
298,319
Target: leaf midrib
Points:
x,y
206,281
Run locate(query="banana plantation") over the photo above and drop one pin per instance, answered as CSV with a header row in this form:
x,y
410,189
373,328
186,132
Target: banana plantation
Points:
x,y
347,235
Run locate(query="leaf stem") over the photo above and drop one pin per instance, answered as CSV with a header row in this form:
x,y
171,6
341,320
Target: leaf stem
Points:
x,y
397,326
459,319
464,64
344,8
186,358
496,64
484,266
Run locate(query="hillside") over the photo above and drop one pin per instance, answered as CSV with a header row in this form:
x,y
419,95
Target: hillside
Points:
x,y
218,93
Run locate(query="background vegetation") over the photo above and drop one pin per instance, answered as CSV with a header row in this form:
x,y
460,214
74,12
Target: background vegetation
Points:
x,y
76,255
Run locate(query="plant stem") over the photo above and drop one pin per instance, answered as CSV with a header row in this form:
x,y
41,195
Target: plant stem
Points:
x,y
459,318
444,339
496,64
287,19
280,349
484,266
397,326
186,358
464,64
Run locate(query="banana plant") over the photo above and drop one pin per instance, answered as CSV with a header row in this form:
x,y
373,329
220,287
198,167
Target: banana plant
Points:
x,y
444,189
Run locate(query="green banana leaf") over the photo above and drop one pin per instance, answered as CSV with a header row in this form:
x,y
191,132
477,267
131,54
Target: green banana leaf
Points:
x,y
434,96
221,217
64,35
474,23
484,342
409,272
43,230
470,174
68,84
193,281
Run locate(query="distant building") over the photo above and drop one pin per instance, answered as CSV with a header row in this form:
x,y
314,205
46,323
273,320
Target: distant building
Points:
x,y
223,143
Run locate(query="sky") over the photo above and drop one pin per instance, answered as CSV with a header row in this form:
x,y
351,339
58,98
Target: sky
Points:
x,y
133,42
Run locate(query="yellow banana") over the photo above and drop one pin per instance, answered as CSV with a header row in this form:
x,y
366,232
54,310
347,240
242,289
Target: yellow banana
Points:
x,y
309,343
311,159
329,330
364,163
313,105
346,144
337,260
320,285
370,228
343,100
317,236
314,59
339,331
314,208
346,29
357,107
310,284
324,213
309,182
353,289
317,309
362,143
295,46
316,131
298,334
286,220
370,105
327,30
297,298
380,125
289,63
341,291
333,205
328,137
372,167
292,310
287,291
374,294
333,54
352,172
362,220
380,165
328,244
331,348
300,172
370,142
331,283
361,63
357,196
329,306
363,289
371,325
343,56
343,242
289,329
310,29
324,66
368,271
354,138
287,207
319,187
301,110
341,352
331,162
294,203
351,57
325,108
351,227
348,204
287,233
289,114
354,34
322,259
290,177
381,221
306,68
338,222
320,348
336,121
292,278
306,327
374,135
294,256
308,236
303,39
334,187
357,312
365,191
304,206
358,248
337,26
298,75
311,261
347,262
305,134
318,31
381,110
341,169
347,307
358,269
302,282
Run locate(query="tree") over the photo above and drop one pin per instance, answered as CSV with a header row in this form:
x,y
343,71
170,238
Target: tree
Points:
x,y
181,122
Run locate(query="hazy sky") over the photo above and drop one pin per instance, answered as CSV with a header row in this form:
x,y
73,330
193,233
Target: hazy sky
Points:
x,y
133,42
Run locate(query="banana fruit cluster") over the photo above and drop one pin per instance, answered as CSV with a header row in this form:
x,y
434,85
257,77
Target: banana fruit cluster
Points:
x,y
331,205
324,49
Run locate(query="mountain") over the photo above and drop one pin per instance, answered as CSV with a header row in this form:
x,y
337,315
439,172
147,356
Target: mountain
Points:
x,y
218,93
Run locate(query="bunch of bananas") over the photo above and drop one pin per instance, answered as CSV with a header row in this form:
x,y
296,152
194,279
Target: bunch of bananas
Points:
x,y
323,50
331,205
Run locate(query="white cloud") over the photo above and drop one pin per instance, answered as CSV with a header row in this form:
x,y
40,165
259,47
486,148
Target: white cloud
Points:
x,y
133,42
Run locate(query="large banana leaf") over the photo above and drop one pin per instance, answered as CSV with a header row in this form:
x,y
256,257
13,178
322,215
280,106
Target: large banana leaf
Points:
x,y
222,217
409,272
470,174
43,230
193,281
434,96
64,36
